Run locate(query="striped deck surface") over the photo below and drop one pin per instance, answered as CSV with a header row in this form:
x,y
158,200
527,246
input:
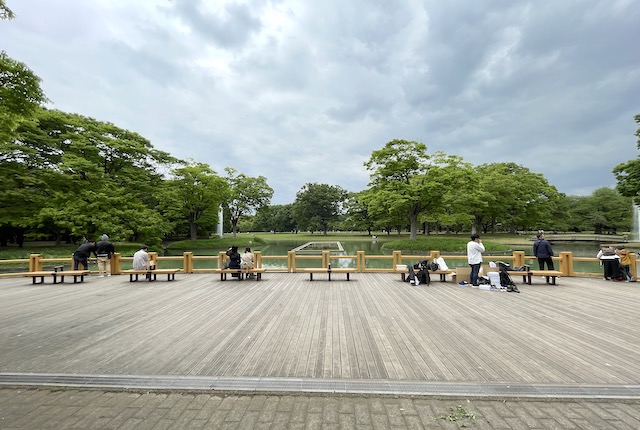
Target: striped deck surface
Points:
x,y
374,327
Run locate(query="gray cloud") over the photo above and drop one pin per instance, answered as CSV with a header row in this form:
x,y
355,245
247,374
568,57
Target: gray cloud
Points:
x,y
303,91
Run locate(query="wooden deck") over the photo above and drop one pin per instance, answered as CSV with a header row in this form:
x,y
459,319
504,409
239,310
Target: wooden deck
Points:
x,y
373,327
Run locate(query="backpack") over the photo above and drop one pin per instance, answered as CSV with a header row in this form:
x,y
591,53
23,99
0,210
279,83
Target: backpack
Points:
x,y
434,266
423,277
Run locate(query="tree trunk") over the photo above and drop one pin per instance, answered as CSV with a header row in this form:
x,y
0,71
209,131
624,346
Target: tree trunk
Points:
x,y
193,230
413,231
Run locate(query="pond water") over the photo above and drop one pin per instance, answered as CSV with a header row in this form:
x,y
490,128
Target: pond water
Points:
x,y
372,247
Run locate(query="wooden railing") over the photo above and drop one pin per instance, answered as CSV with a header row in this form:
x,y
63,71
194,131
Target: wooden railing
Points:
x,y
189,263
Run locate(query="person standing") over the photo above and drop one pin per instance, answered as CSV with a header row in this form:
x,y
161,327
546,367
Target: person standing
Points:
x,y
104,251
543,252
82,254
475,248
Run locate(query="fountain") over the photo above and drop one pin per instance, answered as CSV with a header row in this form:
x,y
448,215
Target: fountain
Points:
x,y
634,234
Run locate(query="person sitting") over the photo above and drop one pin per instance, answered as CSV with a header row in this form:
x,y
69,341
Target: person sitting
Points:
x,y
234,259
141,259
246,260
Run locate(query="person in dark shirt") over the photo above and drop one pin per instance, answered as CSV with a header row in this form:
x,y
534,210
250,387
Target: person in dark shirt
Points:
x,y
82,254
543,252
104,251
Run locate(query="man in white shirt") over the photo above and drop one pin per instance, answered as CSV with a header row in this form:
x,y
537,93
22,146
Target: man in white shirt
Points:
x,y
475,248
141,259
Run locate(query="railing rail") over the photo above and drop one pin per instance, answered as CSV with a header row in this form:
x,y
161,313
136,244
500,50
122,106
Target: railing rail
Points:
x,y
189,263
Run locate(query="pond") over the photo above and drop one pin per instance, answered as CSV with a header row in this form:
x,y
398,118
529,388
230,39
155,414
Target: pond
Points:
x,y
373,247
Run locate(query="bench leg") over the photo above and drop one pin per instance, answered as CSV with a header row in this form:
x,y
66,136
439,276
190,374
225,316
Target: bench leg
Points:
x,y
347,276
33,279
329,273
403,276
310,276
443,277
553,280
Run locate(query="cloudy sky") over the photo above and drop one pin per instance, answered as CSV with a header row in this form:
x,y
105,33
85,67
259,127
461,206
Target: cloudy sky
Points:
x,y
303,91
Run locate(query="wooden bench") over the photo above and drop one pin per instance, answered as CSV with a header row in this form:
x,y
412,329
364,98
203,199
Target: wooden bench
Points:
x,y
242,273
55,274
553,274
151,274
328,271
443,274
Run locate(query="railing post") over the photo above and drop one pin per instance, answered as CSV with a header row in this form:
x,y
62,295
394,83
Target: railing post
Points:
x,y
35,263
257,259
433,255
153,259
633,268
360,261
221,257
116,263
187,262
326,258
397,259
566,263
291,261
518,258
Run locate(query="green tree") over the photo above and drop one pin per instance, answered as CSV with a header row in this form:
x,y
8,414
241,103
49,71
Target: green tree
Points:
x,y
604,211
65,175
194,195
405,181
628,174
357,213
277,218
317,206
514,196
20,95
246,195
5,12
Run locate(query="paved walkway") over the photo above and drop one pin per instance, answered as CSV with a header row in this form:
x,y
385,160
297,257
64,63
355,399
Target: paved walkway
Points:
x,y
73,409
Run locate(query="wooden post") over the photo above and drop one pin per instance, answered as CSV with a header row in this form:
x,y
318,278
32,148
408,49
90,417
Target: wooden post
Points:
x,y
153,259
518,258
291,261
566,263
360,261
221,256
35,263
326,258
187,262
633,267
433,255
116,263
257,259
397,259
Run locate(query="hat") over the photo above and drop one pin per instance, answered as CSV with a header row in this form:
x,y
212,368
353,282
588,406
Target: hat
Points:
x,y
105,237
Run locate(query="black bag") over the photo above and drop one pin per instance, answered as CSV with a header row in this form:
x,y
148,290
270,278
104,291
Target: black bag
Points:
x,y
423,277
433,266
505,280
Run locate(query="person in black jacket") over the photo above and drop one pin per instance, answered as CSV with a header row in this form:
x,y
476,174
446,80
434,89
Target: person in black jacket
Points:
x,y
543,252
104,251
82,254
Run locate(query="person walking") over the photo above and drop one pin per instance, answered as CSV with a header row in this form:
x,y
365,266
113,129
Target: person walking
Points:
x,y
475,248
104,251
82,254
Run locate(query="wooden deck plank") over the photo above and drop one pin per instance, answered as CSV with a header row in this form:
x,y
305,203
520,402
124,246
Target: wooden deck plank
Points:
x,y
372,327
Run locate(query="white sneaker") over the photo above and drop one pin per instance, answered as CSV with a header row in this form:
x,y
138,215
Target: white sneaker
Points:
x,y
102,276
417,282
108,275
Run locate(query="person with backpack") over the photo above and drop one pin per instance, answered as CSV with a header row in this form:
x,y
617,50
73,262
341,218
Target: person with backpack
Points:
x,y
475,248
